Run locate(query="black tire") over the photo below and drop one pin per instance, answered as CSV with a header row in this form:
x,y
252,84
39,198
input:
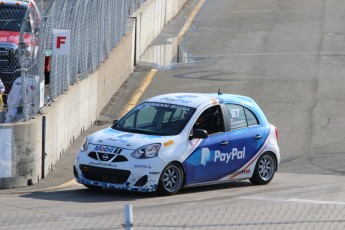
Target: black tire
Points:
x,y
93,187
264,170
171,179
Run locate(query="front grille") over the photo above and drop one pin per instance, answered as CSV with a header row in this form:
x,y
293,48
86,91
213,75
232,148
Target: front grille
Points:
x,y
115,176
9,67
120,158
8,62
109,157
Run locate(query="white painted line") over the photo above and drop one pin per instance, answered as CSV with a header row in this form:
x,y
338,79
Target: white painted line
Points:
x,y
190,20
295,200
139,92
277,54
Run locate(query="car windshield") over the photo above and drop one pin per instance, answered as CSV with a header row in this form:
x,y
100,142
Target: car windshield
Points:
x,y
11,18
155,119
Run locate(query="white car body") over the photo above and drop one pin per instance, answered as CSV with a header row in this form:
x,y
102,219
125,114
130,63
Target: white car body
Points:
x,y
107,157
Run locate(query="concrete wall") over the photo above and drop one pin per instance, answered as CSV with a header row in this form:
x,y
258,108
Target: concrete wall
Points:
x,y
150,19
76,110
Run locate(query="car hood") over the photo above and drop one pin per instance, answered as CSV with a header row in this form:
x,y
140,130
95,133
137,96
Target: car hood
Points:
x,y
13,37
111,137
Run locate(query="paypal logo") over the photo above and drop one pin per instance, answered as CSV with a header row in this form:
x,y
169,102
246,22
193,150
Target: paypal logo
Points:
x,y
205,156
222,157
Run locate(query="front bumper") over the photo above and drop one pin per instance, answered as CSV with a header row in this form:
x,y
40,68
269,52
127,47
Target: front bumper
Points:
x,y
134,175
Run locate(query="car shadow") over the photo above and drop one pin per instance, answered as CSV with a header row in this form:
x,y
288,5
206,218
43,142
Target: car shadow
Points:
x,y
209,188
85,195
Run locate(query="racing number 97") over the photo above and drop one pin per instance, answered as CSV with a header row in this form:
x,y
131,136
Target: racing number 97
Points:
x,y
235,112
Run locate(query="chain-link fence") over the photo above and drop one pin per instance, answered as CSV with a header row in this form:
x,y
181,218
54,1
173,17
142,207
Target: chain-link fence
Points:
x,y
28,69
20,59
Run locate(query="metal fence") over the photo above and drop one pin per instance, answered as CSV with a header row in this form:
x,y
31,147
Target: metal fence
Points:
x,y
96,27
20,59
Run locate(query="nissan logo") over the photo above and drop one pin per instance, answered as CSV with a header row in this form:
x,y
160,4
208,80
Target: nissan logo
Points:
x,y
105,157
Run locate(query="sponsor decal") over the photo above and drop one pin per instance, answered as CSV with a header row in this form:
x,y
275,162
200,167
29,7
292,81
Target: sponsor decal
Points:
x,y
126,135
180,100
103,164
205,156
187,96
105,157
103,148
168,143
154,173
214,101
244,171
142,166
155,104
116,140
235,154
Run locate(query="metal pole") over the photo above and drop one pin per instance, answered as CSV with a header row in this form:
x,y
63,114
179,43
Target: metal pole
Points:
x,y
22,53
43,145
128,217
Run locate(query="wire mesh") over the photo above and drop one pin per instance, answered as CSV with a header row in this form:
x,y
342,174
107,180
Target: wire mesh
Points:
x,y
20,58
96,27
29,72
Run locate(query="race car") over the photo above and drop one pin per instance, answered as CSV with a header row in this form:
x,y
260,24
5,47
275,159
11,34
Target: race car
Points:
x,y
173,141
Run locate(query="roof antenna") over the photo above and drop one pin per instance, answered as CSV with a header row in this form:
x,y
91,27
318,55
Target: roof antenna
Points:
x,y
219,93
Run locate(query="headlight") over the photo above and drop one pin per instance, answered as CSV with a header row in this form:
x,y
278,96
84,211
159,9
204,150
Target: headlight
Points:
x,y
85,144
147,151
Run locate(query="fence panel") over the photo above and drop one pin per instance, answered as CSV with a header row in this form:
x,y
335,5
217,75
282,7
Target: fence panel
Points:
x,y
21,59
29,71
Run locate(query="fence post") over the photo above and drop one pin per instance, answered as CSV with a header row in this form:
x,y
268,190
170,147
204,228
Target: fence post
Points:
x,y
128,217
22,63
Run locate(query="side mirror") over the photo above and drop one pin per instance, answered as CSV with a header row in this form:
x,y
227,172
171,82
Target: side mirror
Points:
x,y
115,121
199,133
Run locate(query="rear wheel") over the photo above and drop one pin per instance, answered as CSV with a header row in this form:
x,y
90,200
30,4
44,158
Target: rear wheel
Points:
x,y
264,170
171,179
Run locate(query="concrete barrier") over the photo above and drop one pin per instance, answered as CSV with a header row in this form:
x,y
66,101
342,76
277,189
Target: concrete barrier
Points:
x,y
21,160
150,19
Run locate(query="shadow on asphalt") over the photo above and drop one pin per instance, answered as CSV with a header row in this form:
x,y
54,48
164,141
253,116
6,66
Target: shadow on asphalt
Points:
x,y
85,195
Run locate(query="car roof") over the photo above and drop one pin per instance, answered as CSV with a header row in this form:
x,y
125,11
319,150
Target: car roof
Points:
x,y
196,99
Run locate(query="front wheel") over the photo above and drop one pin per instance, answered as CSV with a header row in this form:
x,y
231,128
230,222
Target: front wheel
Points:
x,y
264,169
171,180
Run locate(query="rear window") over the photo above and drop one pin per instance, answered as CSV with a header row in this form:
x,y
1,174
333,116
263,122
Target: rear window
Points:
x,y
241,117
11,18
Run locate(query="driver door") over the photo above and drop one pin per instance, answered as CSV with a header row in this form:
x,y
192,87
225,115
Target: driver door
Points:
x,y
208,158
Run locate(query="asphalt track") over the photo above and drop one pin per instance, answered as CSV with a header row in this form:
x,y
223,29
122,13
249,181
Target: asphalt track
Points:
x,y
287,55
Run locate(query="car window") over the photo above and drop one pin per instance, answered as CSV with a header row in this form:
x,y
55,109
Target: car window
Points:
x,y
251,118
210,120
11,18
237,116
240,117
155,119
179,114
141,118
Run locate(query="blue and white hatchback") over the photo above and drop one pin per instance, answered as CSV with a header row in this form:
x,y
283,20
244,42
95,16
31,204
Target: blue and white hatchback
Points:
x,y
173,141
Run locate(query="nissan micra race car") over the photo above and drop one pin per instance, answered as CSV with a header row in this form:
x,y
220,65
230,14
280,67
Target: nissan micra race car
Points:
x,y
173,141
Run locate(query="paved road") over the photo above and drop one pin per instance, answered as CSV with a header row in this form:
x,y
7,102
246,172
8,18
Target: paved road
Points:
x,y
288,55
290,201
